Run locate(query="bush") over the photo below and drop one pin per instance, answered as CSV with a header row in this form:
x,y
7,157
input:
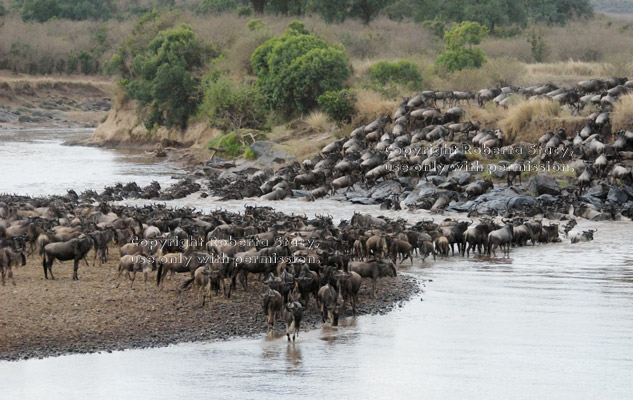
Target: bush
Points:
x,y
228,105
401,72
244,12
504,71
161,76
256,25
296,68
339,106
216,6
457,56
236,143
455,60
3,10
43,10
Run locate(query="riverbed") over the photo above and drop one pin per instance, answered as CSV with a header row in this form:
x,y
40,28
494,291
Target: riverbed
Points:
x,y
555,321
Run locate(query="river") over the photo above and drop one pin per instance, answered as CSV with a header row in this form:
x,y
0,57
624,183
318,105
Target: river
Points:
x,y
551,322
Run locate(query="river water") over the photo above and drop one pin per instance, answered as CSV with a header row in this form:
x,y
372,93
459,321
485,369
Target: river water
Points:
x,y
551,322
35,163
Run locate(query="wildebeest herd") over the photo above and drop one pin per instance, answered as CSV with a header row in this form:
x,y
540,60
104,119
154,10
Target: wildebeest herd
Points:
x,y
296,257
420,147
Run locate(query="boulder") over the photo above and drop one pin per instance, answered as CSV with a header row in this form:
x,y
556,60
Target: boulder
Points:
x,y
617,196
543,184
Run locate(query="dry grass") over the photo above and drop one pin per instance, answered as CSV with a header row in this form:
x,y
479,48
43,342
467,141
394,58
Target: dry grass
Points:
x,y
318,121
520,120
622,116
588,41
371,105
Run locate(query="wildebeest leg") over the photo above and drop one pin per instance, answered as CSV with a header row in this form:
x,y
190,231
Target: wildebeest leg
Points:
x,y
373,283
133,278
44,266
75,269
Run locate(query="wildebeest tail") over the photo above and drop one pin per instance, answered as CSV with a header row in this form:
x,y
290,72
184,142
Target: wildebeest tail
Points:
x,y
187,283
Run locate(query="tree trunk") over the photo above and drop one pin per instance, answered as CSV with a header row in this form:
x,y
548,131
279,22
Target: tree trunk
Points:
x,y
258,6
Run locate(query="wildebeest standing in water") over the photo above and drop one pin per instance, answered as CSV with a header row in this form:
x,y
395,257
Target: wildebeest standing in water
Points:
x,y
293,316
272,303
331,302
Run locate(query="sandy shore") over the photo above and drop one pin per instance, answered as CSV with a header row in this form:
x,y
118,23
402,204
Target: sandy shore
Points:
x,y
42,318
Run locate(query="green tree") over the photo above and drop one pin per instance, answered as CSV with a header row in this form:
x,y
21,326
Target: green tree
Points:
x,y
339,10
339,106
229,105
163,75
296,68
457,56
402,72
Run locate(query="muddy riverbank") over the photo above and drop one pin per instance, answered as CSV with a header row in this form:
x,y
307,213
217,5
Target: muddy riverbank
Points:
x,y
49,318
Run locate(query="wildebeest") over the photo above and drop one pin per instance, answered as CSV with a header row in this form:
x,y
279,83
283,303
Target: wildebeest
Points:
x,y
331,303
402,248
442,246
8,259
349,285
373,269
293,316
307,283
501,237
377,246
585,236
135,263
74,249
271,303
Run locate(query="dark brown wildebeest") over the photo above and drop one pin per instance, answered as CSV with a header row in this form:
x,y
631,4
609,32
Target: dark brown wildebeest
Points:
x,y
377,246
373,269
349,287
271,303
401,248
73,249
331,303
293,314
307,283
8,259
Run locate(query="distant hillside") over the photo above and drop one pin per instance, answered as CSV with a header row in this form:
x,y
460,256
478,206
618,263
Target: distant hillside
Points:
x,y
613,6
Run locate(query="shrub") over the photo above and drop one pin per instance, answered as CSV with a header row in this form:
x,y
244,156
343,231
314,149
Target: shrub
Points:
x,y
255,25
457,56
216,6
401,72
228,105
339,106
161,76
504,71
235,143
3,10
245,12
462,58
296,68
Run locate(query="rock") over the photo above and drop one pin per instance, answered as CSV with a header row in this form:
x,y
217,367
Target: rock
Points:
x,y
547,199
7,117
543,184
521,202
436,179
497,171
266,155
448,186
617,196
459,177
385,190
